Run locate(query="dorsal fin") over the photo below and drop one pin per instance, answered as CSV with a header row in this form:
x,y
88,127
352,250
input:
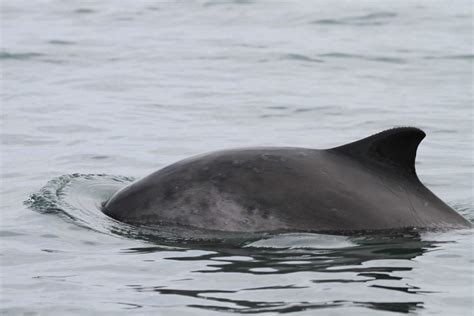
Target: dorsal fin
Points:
x,y
394,147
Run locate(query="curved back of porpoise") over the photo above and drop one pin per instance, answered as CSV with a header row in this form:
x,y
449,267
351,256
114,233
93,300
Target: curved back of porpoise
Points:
x,y
370,184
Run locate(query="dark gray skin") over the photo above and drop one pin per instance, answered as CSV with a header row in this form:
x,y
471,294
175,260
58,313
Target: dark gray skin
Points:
x,y
368,185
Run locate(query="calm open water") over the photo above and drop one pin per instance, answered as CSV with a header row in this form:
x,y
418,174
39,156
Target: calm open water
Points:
x,y
98,93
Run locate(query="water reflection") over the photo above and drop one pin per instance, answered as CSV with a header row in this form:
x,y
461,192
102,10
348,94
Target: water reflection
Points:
x,y
350,259
368,261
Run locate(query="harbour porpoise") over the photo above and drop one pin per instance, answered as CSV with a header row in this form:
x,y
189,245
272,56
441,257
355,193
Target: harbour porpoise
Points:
x,y
367,185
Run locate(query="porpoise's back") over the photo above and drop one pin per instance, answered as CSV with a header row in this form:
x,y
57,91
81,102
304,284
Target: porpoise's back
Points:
x,y
367,185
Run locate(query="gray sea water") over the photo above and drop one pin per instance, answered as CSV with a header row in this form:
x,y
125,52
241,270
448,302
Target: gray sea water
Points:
x,y
98,93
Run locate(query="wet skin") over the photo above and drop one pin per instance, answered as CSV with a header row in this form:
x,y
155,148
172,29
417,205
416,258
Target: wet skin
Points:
x,y
368,185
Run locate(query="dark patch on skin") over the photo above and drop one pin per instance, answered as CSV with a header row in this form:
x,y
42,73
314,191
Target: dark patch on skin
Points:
x,y
203,204
169,193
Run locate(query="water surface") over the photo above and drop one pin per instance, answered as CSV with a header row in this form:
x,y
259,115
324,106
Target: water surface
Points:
x,y
96,94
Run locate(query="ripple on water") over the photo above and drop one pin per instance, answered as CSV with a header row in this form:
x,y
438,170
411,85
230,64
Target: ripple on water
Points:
x,y
467,57
84,11
25,140
20,56
385,59
61,42
376,18
300,57
78,198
